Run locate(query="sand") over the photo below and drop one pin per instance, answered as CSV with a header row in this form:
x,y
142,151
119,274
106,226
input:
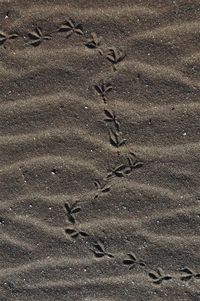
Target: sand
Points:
x,y
99,150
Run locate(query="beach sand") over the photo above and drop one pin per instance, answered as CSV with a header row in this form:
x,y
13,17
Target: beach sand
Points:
x,y
99,150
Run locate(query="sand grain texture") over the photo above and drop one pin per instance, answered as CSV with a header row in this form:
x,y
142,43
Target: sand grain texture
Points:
x,y
99,150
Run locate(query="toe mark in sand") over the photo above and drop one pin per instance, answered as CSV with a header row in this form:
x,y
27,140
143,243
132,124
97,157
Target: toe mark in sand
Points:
x,y
115,56
71,210
189,274
37,37
111,118
159,276
119,171
99,250
101,188
73,233
71,27
132,261
133,162
103,88
115,139
4,37
94,42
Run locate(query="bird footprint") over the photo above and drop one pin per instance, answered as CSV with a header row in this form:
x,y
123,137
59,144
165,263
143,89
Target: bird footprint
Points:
x,y
4,37
189,274
71,27
101,188
99,250
94,42
37,37
159,276
75,233
103,88
71,210
132,261
115,56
